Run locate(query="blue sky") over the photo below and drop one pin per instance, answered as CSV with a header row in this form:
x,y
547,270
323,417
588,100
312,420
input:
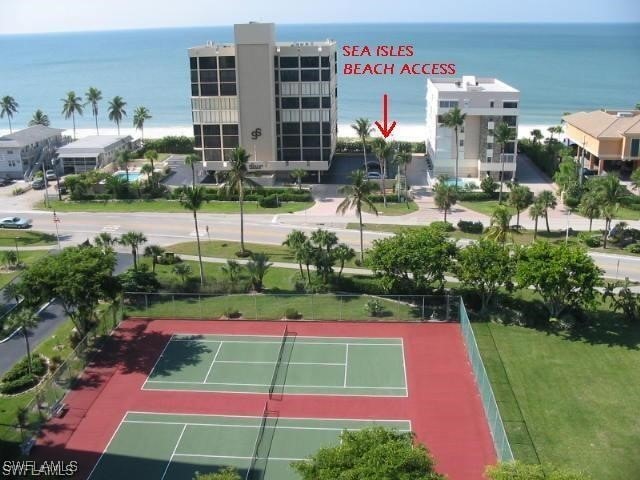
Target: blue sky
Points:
x,y
30,16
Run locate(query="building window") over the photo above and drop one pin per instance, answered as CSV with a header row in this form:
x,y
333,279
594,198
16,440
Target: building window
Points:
x,y
228,89
309,62
326,102
509,104
310,128
462,143
635,147
488,159
208,63
230,129
448,103
491,104
193,63
290,128
194,90
309,75
310,141
291,154
291,141
289,62
9,152
511,120
211,129
310,102
289,76
209,89
324,62
226,62
489,146
227,75
326,128
290,102
208,76
326,75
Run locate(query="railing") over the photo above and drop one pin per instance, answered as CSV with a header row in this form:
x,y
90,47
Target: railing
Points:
x,y
494,419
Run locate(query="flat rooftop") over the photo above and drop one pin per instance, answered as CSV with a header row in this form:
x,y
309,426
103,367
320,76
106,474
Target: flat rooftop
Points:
x,y
471,83
92,144
321,43
28,136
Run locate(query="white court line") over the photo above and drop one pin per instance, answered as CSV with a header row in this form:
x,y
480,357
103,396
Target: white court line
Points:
x,y
258,342
157,361
268,385
324,394
174,452
280,336
273,363
233,457
404,367
346,365
108,444
212,362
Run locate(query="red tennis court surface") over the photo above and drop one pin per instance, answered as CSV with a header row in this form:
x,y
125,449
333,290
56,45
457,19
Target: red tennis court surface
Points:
x,y
443,403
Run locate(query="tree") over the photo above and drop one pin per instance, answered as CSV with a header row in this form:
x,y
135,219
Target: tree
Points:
x,y
357,195
183,270
566,175
117,186
192,198
343,253
257,268
134,240
93,96
152,156
295,239
323,242
123,158
488,185
383,152
445,197
638,106
227,473
454,119
8,107
536,136
521,471
500,227
635,179
39,118
147,170
298,174
10,259
141,115
105,241
590,206
78,276
624,300
26,320
402,158
363,129
153,251
556,129
610,192
503,134
520,197
485,266
116,110
237,181
71,105
191,161
548,200
535,212
232,270
563,275
372,453
412,259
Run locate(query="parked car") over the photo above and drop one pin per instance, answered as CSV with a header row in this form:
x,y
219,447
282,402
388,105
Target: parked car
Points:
x,y
50,174
38,183
374,176
15,222
588,173
5,181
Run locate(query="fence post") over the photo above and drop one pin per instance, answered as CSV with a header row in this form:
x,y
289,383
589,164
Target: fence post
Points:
x,y
255,304
146,302
313,311
448,314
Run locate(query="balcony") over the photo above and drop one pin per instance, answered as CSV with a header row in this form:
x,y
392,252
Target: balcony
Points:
x,y
495,165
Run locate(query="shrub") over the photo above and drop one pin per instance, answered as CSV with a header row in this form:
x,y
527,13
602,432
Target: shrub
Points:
x,y
231,312
18,191
292,314
470,227
270,201
374,307
141,280
446,226
19,385
488,185
633,248
589,239
21,368
476,196
54,362
74,338
170,144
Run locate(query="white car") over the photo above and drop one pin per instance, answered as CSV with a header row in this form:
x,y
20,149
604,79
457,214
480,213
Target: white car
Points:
x,y
374,176
15,222
50,174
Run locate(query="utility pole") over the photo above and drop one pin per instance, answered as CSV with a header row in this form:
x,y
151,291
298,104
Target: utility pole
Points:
x,y
56,221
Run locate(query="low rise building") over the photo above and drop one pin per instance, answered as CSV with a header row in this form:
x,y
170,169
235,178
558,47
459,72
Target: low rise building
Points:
x,y
92,152
24,151
605,139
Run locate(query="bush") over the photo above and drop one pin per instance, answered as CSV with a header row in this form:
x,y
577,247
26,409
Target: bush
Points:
x,y
19,385
74,338
170,144
21,368
633,248
270,201
18,191
470,227
230,312
488,185
54,362
141,280
292,314
476,196
446,226
374,307
589,239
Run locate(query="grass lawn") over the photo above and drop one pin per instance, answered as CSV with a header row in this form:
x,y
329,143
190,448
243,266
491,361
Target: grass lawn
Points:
x,y
487,207
394,209
25,238
28,257
627,214
170,206
383,227
577,391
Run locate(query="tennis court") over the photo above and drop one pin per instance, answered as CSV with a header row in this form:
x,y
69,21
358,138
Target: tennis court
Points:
x,y
259,447
287,364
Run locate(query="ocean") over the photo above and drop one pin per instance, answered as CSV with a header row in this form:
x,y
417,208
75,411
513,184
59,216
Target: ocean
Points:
x,y
557,68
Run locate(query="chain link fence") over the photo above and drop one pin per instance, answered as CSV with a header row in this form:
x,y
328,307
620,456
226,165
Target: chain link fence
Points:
x,y
494,419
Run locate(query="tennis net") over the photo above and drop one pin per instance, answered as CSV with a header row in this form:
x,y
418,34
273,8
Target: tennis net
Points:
x,y
256,447
274,378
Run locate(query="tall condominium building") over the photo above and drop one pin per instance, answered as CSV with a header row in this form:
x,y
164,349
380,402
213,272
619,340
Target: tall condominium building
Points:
x,y
486,102
275,99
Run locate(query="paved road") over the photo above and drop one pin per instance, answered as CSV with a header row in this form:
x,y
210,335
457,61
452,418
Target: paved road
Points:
x,y
51,317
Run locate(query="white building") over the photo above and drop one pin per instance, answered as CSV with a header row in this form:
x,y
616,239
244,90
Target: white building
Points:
x,y
486,102
277,100
92,152
24,151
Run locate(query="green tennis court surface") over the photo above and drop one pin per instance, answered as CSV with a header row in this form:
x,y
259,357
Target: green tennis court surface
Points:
x,y
290,364
173,447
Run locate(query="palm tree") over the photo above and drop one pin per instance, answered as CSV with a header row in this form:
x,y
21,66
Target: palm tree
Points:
x,y
520,197
147,170
141,115
343,253
536,135
548,201
70,106
8,107
123,158
39,118
295,239
590,206
192,199
257,268
609,191
116,110
236,181
357,195
445,197
402,159
191,161
298,175
500,229
152,156
454,118
116,186
93,96
383,151
134,240
26,320
535,212
232,270
153,251
183,270
503,134
555,129
363,129
105,240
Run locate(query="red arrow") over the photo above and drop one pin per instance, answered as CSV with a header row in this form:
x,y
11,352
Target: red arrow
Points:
x,y
387,129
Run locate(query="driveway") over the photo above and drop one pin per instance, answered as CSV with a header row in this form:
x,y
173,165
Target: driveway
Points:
x,y
530,175
181,173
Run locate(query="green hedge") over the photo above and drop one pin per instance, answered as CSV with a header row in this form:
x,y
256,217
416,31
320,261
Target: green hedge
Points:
x,y
18,379
470,227
170,144
476,196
